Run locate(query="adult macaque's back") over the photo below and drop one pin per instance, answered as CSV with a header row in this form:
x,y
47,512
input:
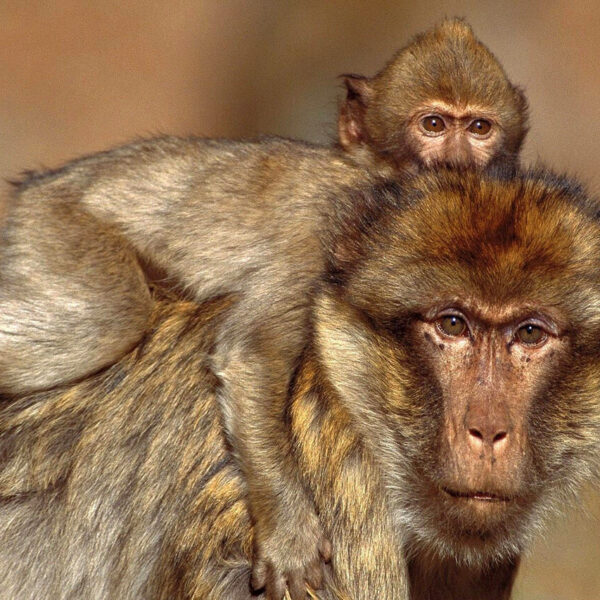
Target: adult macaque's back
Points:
x,y
215,216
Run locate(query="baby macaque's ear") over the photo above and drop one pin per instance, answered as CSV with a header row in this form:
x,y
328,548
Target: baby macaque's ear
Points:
x,y
352,128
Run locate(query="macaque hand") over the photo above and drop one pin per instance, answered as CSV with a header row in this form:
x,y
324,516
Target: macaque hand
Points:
x,y
291,557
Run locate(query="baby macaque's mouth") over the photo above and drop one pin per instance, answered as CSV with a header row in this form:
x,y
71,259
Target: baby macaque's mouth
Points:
x,y
480,496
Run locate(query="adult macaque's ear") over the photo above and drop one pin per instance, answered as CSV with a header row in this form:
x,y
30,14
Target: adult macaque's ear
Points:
x,y
352,129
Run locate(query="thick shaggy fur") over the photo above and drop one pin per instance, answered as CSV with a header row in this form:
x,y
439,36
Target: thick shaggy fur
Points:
x,y
122,486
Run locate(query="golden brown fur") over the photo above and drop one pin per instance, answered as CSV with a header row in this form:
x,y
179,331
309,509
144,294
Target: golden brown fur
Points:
x,y
123,485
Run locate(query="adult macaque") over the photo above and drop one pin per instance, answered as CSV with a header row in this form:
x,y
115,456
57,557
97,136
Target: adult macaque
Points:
x,y
234,217
448,397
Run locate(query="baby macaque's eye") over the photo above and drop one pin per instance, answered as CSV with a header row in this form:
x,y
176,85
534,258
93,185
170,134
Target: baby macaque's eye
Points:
x,y
480,127
433,124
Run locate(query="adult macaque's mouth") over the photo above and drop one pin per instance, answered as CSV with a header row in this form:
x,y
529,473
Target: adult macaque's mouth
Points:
x,y
480,496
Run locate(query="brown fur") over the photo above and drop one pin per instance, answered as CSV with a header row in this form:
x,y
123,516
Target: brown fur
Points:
x,y
213,217
123,486
197,231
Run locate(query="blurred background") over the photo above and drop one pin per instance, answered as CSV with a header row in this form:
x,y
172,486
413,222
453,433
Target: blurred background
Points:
x,y
78,76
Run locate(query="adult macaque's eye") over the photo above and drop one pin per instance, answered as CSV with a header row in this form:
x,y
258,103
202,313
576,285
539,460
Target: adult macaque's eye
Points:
x,y
452,325
480,127
433,124
531,334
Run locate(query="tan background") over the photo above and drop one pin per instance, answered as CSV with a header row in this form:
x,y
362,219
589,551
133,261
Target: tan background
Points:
x,y
77,76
